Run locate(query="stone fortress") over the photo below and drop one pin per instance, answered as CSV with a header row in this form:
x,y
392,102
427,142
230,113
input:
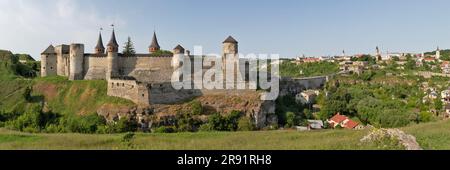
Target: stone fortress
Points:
x,y
142,78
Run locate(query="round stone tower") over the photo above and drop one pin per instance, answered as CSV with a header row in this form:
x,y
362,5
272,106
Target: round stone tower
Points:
x,y
76,59
112,49
178,55
48,62
230,46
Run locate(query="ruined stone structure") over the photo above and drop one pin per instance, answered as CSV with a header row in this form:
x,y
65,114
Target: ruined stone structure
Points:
x,y
143,78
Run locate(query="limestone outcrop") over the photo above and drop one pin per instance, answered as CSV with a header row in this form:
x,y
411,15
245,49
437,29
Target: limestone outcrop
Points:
x,y
393,137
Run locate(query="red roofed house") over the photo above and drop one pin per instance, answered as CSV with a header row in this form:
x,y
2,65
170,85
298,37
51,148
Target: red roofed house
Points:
x,y
343,121
429,59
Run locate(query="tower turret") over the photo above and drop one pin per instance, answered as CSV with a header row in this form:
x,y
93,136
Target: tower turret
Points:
x,y
112,57
154,46
112,44
99,48
230,62
178,55
48,62
230,46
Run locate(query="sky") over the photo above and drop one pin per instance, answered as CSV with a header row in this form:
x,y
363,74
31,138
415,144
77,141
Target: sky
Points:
x,y
287,27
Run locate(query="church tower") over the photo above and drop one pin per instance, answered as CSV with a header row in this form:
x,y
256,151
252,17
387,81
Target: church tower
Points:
x,y
438,53
113,48
154,46
378,54
99,48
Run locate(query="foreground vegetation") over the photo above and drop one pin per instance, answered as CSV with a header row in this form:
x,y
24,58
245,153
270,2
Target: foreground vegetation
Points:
x,y
429,135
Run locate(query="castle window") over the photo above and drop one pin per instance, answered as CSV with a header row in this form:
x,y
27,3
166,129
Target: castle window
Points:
x,y
51,68
123,84
143,95
118,84
132,86
44,67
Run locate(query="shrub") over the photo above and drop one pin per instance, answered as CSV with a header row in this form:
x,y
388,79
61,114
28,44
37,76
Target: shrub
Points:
x,y
245,124
205,127
291,119
32,119
125,125
164,129
196,108
186,123
217,122
82,124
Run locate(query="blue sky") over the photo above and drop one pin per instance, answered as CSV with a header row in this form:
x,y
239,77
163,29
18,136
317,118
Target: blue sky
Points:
x,y
286,27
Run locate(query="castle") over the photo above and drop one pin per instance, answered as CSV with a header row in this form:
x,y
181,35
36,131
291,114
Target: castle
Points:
x,y
142,78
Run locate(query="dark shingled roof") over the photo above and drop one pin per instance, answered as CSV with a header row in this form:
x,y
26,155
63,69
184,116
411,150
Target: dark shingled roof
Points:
x,y
230,39
100,42
50,50
113,41
155,43
179,47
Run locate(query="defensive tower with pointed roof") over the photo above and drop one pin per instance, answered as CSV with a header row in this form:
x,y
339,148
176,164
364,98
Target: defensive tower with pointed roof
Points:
x,y
112,57
99,48
154,46
48,59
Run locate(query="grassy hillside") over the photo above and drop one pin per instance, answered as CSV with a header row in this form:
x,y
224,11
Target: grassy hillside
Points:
x,y
74,97
62,96
430,136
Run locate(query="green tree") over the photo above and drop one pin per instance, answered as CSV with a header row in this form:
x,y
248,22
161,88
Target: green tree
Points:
x,y
128,49
438,105
291,119
410,62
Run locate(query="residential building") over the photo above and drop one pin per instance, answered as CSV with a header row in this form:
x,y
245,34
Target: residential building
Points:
x,y
343,121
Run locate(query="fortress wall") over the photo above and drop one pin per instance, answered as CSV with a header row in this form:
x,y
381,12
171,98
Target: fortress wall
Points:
x,y
131,63
95,67
164,93
127,89
147,69
65,65
62,53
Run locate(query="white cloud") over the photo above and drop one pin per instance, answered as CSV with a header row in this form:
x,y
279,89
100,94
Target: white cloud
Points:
x,y
29,26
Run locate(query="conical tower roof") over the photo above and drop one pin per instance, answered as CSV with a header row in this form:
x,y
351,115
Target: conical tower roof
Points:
x,y
179,47
230,39
100,42
113,41
154,43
